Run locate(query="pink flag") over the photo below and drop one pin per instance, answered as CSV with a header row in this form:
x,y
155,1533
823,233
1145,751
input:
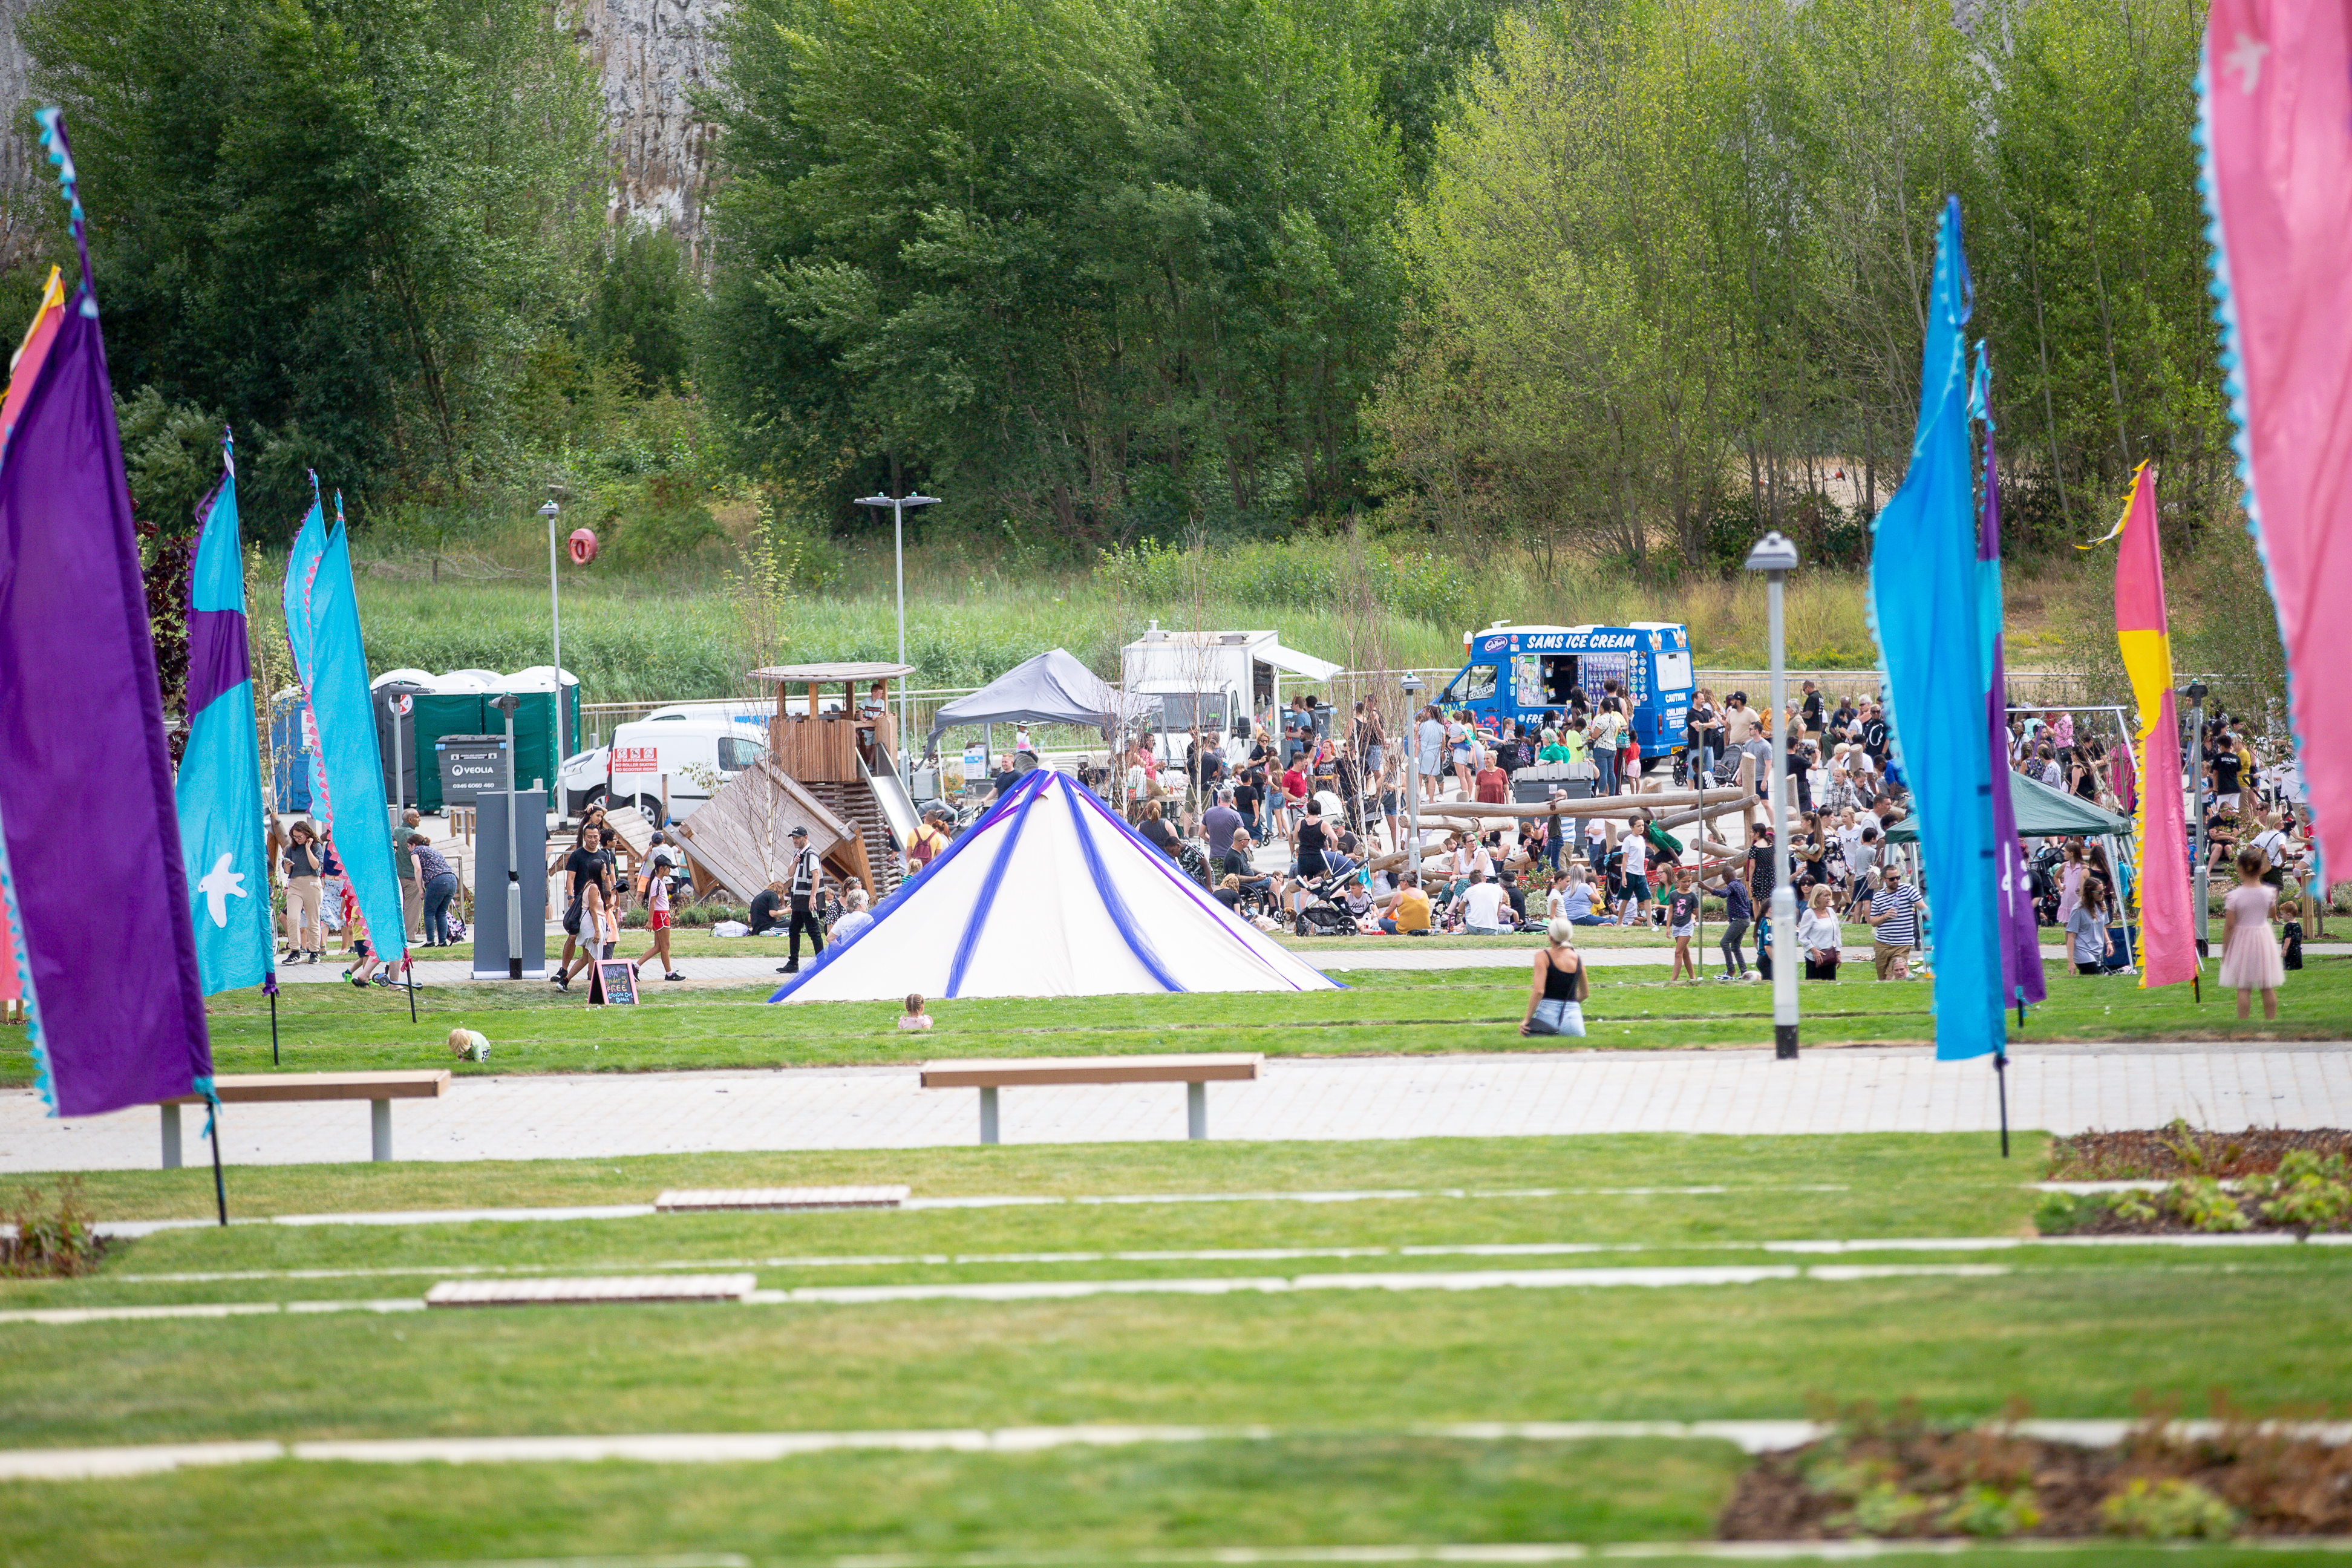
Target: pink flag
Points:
x,y
2168,920
2276,90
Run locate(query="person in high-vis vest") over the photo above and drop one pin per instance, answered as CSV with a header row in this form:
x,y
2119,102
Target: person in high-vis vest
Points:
x,y
802,883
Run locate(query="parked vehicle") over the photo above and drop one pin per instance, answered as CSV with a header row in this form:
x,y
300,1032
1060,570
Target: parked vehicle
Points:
x,y
1521,671
1212,678
683,760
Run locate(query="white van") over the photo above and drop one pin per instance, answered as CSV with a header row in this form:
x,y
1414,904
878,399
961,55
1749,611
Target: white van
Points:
x,y
691,755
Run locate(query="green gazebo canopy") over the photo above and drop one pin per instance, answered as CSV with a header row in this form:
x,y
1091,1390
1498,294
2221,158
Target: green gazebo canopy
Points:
x,y
2041,813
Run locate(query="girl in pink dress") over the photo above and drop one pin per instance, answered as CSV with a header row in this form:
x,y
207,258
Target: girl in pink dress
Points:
x,y
2250,954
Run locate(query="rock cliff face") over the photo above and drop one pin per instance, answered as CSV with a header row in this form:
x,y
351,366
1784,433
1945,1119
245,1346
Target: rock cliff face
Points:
x,y
653,57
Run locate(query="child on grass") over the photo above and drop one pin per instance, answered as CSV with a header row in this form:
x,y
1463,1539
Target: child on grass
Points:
x,y
2250,954
915,1018
657,918
1682,919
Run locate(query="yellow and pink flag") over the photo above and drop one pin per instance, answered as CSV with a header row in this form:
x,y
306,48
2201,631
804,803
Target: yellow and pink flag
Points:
x,y
2168,923
2276,126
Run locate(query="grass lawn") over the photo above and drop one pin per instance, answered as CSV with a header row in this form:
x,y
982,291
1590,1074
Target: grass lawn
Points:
x,y
531,1028
1347,1383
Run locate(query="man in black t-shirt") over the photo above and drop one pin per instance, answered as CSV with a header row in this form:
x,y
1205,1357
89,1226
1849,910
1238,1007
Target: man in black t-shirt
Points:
x,y
1873,734
2229,769
578,867
1248,791
1813,707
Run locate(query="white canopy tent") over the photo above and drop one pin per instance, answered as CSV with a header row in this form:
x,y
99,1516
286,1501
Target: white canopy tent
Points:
x,y
1050,894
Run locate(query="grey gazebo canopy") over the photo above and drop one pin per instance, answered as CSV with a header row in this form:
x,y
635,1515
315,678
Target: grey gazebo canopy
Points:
x,y
1051,689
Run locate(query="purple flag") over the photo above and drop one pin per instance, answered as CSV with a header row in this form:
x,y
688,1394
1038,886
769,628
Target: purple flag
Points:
x,y
114,1023
2020,940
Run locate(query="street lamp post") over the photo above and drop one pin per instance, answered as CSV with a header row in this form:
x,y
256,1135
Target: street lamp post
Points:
x,y
1411,685
898,505
1775,555
2196,760
555,615
506,702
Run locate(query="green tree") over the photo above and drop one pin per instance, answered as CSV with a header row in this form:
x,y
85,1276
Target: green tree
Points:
x,y
1110,266
344,224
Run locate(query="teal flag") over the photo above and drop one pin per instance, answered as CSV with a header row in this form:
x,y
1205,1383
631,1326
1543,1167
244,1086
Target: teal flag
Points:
x,y
310,542
349,787
1928,589
219,792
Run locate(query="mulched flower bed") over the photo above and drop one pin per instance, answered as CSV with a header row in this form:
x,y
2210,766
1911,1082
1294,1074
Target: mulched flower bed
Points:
x,y
2179,1150
1901,1480
2280,1179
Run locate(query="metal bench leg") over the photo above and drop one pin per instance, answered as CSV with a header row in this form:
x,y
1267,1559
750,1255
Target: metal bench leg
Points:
x,y
171,1137
988,1114
380,1126
1196,1111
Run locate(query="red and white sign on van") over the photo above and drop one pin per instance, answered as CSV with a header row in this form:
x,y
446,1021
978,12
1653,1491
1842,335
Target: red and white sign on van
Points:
x,y
636,759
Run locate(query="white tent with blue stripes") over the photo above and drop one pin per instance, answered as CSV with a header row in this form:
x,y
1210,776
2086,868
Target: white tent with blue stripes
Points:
x,y
1051,894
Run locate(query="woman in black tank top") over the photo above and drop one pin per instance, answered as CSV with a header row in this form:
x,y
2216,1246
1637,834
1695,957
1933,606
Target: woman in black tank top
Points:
x,y
1559,986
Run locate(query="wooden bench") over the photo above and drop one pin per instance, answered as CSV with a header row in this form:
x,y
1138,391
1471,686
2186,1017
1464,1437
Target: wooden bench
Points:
x,y
378,1088
1194,1072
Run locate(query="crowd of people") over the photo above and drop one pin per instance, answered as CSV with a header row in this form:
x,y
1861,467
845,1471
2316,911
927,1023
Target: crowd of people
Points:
x,y
1335,796
1298,819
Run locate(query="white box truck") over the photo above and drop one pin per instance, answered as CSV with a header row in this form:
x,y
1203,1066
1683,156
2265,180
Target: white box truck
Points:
x,y
1212,677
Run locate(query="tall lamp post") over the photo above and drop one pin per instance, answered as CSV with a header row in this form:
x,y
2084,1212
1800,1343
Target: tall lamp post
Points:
x,y
1775,555
1412,686
898,505
555,615
2195,762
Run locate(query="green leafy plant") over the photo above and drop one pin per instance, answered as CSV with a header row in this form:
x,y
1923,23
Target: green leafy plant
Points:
x,y
50,1243
2134,1208
2199,1203
2063,1214
1991,1512
1884,1508
2168,1510
2306,1192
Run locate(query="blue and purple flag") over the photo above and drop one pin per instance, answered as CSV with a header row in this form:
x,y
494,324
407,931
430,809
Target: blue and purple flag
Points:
x,y
219,791
113,1023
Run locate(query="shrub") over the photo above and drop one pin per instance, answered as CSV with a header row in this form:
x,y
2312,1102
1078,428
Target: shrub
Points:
x,y
2170,1510
50,1244
2201,1204
1990,1511
2063,1214
2307,1193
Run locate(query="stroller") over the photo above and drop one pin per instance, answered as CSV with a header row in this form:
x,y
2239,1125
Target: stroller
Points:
x,y
1320,913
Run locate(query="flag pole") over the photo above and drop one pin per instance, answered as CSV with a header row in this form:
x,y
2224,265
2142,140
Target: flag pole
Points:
x,y
272,989
2000,1078
212,1131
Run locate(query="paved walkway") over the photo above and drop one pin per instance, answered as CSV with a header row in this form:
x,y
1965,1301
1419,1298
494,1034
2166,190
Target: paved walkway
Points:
x,y
1848,1091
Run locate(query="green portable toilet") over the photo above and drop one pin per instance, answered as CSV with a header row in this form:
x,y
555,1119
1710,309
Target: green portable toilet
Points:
x,y
470,713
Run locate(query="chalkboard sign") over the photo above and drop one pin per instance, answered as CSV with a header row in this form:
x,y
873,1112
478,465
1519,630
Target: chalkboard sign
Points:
x,y
615,984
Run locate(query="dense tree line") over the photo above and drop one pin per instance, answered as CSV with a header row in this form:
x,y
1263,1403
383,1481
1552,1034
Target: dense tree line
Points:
x,y
1674,257
1633,276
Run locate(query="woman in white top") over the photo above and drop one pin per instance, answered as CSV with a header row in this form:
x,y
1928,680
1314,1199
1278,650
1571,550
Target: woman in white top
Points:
x,y
1818,934
1457,740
